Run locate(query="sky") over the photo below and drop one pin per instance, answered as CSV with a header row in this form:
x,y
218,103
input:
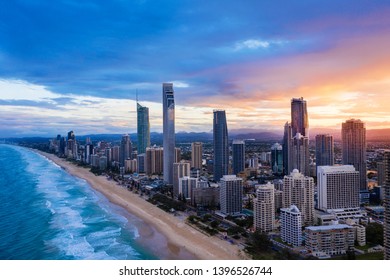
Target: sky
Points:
x,y
77,65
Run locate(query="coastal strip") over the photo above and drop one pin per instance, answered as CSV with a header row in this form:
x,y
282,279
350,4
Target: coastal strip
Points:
x,y
179,235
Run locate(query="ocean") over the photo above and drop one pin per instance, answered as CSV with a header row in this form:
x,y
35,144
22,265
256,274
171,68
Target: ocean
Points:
x,y
46,214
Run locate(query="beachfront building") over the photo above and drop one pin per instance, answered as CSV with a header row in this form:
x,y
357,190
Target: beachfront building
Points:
x,y
154,160
180,170
330,240
205,196
298,190
125,149
264,208
291,225
186,187
231,190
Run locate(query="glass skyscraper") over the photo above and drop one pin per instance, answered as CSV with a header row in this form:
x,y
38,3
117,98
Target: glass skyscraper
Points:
x,y
220,145
168,131
299,117
143,128
296,139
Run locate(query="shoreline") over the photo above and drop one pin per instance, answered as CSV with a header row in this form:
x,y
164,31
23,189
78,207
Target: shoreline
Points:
x,y
181,240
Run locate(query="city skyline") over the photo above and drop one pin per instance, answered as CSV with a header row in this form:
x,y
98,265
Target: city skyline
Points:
x,y
80,64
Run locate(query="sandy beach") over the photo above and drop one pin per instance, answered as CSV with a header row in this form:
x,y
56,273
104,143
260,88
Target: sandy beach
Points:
x,y
179,240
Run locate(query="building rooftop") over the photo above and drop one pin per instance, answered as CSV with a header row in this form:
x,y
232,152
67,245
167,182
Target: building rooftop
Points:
x,y
330,227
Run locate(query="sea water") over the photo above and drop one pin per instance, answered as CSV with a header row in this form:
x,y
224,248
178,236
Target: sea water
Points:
x,y
45,213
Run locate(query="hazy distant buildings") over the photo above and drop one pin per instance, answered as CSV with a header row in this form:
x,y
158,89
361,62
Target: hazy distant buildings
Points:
x,y
196,155
353,135
291,225
338,187
277,159
231,194
168,131
220,145
238,149
386,204
143,128
324,150
299,190
264,208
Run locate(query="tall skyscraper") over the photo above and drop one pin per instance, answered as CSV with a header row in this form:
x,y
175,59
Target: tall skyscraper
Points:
x,y
338,187
143,128
264,208
353,135
231,194
196,155
238,156
324,150
126,149
299,190
277,159
296,139
220,145
291,225
299,117
168,131
386,204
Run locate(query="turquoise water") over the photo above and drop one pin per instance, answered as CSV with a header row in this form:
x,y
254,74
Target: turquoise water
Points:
x,y
45,213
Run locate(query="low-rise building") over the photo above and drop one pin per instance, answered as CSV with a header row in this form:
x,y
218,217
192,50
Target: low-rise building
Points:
x,y
331,240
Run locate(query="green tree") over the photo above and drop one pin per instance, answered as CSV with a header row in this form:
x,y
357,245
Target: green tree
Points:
x,y
374,233
258,242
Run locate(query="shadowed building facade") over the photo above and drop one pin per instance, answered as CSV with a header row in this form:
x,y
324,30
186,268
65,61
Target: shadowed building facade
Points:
x,y
168,131
353,135
143,128
220,145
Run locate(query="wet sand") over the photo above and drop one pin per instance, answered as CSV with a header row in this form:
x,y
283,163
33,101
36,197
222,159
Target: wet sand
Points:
x,y
166,236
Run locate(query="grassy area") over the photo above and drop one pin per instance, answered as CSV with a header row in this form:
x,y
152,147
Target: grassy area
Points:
x,y
365,247
370,256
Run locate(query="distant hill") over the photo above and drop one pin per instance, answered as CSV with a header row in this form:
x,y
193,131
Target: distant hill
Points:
x,y
373,135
